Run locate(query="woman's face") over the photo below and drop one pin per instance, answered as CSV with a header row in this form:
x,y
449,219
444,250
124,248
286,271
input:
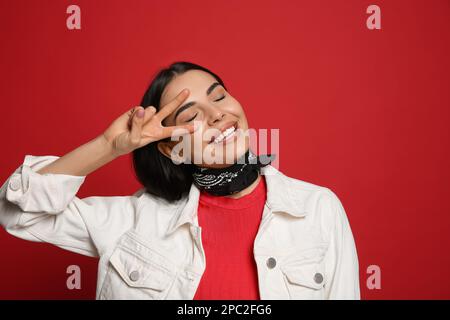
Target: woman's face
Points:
x,y
213,110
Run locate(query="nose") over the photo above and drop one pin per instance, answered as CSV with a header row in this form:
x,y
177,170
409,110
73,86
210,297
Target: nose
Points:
x,y
215,115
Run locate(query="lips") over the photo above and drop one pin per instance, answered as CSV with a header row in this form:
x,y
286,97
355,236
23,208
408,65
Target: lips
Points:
x,y
226,130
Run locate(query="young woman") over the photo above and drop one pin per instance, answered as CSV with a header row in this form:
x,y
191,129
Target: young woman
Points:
x,y
197,229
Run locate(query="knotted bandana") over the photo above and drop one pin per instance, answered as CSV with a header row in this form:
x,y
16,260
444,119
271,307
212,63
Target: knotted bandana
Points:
x,y
232,179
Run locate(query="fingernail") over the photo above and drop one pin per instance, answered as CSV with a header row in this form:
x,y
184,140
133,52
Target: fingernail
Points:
x,y
140,113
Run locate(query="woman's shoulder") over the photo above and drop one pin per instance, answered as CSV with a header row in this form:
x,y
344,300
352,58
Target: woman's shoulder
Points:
x,y
142,197
307,193
293,184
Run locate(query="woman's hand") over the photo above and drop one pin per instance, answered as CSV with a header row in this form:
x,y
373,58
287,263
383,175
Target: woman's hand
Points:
x,y
139,127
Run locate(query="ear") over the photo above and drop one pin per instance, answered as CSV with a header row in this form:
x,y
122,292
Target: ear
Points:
x,y
165,147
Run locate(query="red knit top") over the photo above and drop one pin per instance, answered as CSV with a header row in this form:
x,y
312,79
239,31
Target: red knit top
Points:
x,y
229,227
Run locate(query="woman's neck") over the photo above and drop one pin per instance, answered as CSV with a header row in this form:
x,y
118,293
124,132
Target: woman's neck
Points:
x,y
247,190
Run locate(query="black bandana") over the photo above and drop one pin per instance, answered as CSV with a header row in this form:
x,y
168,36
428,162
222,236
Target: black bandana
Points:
x,y
232,179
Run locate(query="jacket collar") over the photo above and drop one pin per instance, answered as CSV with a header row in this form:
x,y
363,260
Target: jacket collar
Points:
x,y
279,199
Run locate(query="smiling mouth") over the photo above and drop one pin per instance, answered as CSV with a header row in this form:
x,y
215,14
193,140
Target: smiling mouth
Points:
x,y
227,133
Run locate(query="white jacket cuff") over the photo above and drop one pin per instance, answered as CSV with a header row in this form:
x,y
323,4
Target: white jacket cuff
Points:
x,y
34,192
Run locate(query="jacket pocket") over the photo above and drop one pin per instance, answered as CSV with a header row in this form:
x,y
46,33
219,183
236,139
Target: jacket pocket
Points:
x,y
304,273
131,275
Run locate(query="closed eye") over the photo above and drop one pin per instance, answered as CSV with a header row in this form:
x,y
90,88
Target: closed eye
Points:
x,y
192,118
221,98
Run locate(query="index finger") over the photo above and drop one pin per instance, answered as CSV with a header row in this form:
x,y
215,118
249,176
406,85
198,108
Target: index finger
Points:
x,y
174,131
172,105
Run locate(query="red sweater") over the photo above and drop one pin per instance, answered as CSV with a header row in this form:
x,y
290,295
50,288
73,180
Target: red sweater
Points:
x,y
229,227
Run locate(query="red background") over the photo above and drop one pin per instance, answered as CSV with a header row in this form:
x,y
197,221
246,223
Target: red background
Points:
x,y
363,112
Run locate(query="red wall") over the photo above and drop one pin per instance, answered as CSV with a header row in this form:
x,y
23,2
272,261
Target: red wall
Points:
x,y
363,112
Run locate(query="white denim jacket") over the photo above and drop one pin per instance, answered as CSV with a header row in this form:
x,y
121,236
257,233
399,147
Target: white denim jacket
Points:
x,y
149,248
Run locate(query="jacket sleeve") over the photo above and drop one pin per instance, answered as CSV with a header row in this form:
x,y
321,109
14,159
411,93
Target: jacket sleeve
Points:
x,y
341,259
44,208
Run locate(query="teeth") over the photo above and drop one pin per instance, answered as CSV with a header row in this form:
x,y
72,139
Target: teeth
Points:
x,y
224,134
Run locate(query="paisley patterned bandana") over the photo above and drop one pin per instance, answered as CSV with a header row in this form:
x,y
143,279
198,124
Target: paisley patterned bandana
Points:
x,y
232,179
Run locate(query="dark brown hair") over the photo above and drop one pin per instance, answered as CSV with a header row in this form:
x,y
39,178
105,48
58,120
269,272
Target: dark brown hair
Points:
x,y
157,173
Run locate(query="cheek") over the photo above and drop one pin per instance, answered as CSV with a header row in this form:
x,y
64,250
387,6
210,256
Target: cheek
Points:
x,y
203,135
235,106
198,140
242,119
237,110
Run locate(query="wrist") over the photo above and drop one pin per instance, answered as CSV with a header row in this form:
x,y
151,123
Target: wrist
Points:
x,y
107,147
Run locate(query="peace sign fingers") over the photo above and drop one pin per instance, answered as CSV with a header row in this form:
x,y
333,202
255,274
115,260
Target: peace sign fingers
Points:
x,y
167,109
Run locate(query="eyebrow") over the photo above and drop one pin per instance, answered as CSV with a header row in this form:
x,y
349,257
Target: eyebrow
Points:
x,y
190,104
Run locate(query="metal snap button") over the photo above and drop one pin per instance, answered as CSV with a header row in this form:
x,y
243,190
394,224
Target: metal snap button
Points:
x,y
318,278
14,184
134,275
271,263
